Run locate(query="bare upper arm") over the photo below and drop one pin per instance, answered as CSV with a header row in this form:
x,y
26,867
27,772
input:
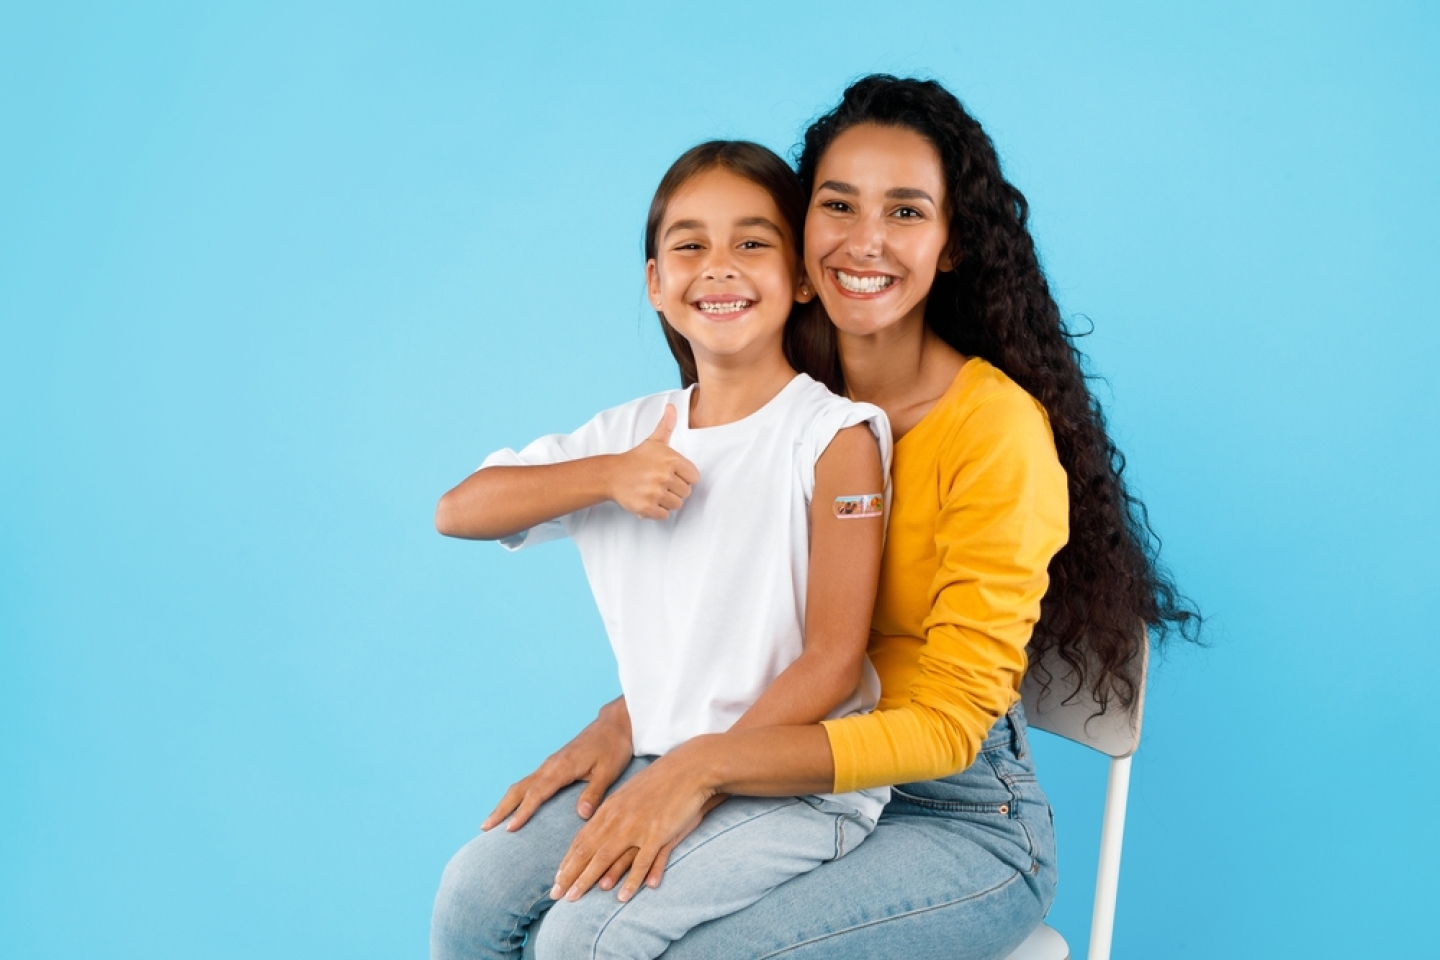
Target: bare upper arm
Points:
x,y
844,550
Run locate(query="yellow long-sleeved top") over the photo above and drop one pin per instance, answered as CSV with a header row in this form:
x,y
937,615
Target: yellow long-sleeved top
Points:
x,y
980,508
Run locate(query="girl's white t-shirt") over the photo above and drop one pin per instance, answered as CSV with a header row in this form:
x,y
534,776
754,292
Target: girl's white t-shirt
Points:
x,y
705,609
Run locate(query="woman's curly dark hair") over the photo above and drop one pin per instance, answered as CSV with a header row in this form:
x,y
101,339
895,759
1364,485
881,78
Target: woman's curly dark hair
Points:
x,y
996,304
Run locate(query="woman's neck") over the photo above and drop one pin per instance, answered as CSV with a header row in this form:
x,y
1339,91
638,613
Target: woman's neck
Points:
x,y
904,370
729,392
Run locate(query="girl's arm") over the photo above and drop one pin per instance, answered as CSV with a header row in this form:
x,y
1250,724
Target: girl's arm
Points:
x,y
598,754
777,734
496,502
840,594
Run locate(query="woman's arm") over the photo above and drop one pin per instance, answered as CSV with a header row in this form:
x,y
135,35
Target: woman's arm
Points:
x,y
840,594
496,502
1003,519
634,831
1003,515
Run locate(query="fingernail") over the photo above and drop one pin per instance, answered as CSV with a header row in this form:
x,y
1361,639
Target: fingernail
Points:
x,y
624,895
555,892
586,810
606,884
573,894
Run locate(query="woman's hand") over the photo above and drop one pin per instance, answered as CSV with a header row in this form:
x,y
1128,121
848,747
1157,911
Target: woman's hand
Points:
x,y
598,754
638,827
651,479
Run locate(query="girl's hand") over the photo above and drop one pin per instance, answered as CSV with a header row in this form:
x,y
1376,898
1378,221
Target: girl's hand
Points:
x,y
651,480
637,828
598,754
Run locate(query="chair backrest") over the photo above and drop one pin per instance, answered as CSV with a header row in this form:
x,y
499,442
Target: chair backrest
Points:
x,y
1069,712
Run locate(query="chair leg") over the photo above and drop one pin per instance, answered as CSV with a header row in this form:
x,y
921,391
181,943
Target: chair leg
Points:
x,y
1107,879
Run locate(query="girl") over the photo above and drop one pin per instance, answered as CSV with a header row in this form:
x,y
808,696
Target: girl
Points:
x,y
731,533
920,251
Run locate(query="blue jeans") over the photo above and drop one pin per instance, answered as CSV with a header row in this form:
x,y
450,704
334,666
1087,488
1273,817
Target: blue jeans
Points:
x,y
496,887
961,868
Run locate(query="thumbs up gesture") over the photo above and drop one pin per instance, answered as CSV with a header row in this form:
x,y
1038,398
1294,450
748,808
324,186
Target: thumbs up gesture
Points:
x,y
651,480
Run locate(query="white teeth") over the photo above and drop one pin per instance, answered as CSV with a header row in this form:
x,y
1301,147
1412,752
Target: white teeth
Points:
x,y
863,284
721,307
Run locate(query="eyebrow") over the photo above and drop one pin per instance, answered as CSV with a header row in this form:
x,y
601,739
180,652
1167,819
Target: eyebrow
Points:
x,y
683,225
897,193
908,193
765,222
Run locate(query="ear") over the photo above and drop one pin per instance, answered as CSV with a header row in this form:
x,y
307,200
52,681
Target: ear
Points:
x,y
948,260
804,292
652,283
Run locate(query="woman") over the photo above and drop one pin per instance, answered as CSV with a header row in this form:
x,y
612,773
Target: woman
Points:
x,y
920,253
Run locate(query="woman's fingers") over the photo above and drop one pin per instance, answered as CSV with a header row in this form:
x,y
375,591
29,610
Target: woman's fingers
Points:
x,y
617,870
603,860
639,870
657,869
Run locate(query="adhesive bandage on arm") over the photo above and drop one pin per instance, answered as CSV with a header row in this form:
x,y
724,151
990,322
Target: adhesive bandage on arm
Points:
x,y
856,508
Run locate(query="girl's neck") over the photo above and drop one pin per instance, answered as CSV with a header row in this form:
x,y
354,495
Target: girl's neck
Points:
x,y
904,369
726,393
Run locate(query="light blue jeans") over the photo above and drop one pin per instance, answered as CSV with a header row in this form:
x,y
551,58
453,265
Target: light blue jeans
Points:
x,y
957,869
961,868
496,887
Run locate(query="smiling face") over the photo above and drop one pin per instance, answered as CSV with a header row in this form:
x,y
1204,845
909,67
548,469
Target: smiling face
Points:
x,y
725,272
878,227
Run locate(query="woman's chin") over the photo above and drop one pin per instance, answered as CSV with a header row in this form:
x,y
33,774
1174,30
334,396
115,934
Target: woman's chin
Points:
x,y
864,324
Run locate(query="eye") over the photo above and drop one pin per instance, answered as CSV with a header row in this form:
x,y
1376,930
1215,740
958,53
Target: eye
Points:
x,y
908,213
836,206
753,245
687,246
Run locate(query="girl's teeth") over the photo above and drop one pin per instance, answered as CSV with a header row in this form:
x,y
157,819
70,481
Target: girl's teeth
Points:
x,y
728,306
863,284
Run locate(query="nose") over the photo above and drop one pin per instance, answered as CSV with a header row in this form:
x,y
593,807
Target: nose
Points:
x,y
867,238
720,266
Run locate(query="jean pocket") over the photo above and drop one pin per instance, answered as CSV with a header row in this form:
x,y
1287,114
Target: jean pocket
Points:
x,y
994,801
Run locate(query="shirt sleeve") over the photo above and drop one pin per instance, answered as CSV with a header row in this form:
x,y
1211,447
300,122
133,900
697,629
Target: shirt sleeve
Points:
x,y
604,433
836,415
1004,515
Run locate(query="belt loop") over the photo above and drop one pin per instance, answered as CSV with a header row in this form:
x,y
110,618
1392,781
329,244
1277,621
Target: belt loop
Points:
x,y
1017,737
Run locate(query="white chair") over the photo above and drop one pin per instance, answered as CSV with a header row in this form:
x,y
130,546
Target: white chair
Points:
x,y
1067,712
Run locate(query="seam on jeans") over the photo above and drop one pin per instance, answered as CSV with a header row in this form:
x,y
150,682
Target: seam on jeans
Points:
x,y
620,907
1031,846
899,916
739,823
1009,781
532,916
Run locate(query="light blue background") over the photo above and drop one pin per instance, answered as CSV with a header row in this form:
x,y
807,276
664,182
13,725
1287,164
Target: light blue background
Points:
x,y
273,277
